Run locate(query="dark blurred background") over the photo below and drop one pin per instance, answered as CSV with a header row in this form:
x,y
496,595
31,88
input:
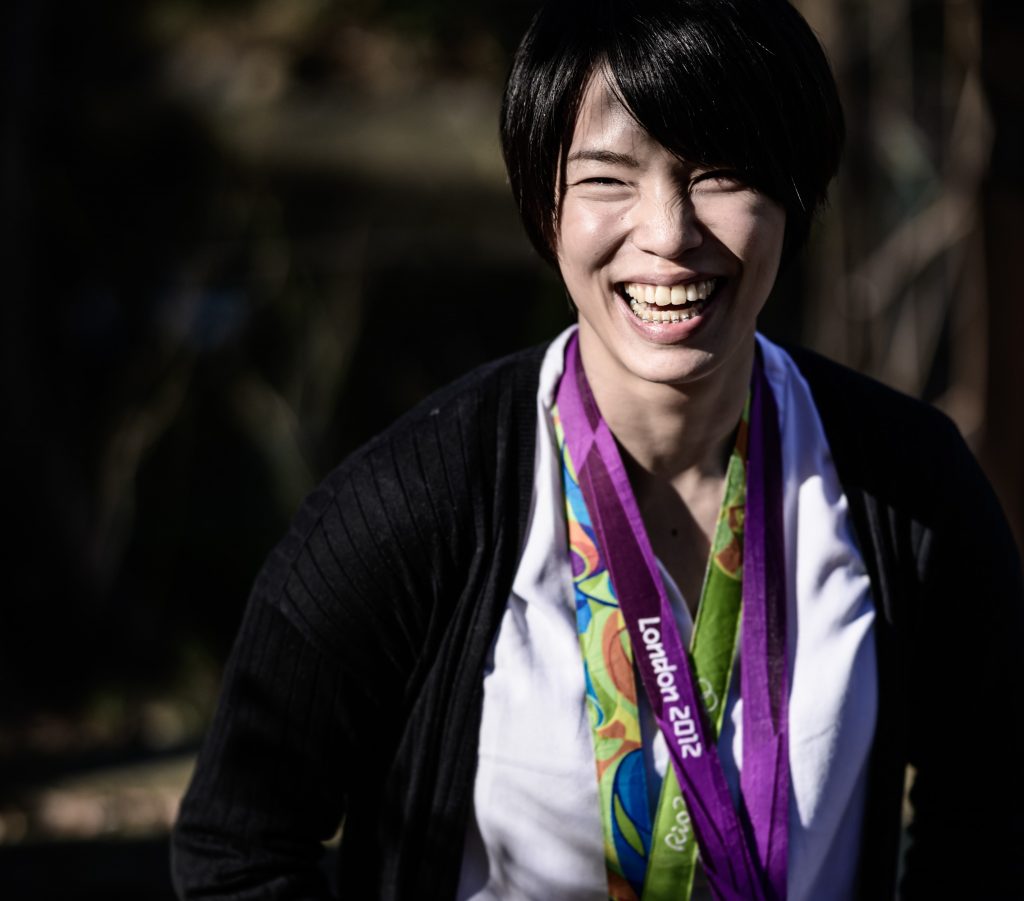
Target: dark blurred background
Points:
x,y
239,237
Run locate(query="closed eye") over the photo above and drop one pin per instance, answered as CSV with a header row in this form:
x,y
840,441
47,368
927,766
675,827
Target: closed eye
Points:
x,y
722,179
598,180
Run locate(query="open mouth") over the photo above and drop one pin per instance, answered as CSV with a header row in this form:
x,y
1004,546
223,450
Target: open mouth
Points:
x,y
662,303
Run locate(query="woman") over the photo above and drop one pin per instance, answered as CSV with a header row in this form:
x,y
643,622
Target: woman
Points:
x,y
444,649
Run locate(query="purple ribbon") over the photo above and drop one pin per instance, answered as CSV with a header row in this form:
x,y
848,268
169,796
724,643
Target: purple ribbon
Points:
x,y
743,851
764,673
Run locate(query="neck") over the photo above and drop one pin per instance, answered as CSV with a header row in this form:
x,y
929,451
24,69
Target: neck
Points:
x,y
672,432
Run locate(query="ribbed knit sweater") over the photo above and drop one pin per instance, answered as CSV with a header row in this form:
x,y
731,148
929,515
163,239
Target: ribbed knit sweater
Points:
x,y
354,690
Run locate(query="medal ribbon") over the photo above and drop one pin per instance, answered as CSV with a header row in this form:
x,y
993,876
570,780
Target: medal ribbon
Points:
x,y
671,854
743,851
673,858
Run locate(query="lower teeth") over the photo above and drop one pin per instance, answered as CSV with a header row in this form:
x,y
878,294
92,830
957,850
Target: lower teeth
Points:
x,y
652,314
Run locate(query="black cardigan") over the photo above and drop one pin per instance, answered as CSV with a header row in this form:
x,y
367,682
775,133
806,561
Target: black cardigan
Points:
x,y
355,686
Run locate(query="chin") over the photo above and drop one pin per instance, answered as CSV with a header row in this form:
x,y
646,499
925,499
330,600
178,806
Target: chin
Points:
x,y
678,367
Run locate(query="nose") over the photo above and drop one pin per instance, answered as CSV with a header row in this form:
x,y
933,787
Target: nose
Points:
x,y
667,225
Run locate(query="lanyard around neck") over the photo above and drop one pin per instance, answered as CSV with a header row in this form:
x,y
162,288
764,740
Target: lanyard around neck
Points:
x,y
743,851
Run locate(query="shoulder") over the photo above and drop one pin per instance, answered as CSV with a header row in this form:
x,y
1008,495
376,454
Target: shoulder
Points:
x,y
506,387
905,466
859,405
892,446
408,511
466,418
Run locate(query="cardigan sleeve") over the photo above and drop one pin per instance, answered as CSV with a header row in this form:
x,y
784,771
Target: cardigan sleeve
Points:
x,y
354,682
268,784
966,685
333,646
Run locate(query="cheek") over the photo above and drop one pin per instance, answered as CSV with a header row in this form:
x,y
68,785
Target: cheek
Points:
x,y
751,227
588,235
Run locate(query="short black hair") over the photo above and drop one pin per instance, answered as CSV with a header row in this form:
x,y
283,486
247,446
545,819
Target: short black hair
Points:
x,y
741,84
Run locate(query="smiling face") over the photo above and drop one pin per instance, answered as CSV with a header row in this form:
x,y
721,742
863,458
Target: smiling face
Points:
x,y
668,263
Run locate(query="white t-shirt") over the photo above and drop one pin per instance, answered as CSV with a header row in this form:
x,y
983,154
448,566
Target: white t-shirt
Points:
x,y
536,829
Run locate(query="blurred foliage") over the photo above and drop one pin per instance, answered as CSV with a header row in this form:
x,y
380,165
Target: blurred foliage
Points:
x,y
239,237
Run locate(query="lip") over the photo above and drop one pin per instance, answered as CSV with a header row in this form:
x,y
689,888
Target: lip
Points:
x,y
668,281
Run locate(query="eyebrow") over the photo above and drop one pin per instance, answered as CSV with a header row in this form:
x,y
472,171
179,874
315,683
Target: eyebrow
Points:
x,y
604,156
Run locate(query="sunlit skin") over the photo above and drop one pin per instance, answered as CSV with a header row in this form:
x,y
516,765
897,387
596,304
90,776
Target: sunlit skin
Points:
x,y
630,211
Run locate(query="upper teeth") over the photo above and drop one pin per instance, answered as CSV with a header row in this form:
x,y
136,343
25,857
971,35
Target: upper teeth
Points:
x,y
676,295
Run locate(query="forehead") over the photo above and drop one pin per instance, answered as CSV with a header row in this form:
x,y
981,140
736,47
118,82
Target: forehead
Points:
x,y
603,121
